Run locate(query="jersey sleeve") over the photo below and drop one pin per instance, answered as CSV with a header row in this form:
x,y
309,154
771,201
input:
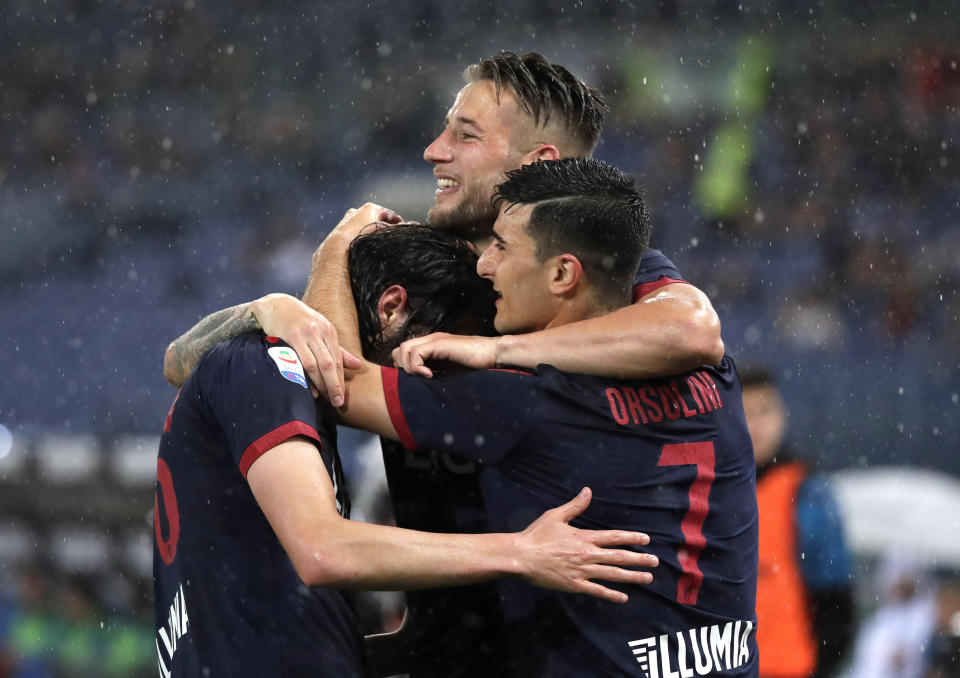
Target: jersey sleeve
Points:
x,y
258,395
655,271
477,416
825,559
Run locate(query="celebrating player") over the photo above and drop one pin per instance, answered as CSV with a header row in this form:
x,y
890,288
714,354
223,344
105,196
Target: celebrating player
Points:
x,y
672,455
512,111
251,509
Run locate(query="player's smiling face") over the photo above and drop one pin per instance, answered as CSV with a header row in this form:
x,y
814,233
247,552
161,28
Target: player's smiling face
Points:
x,y
475,148
526,303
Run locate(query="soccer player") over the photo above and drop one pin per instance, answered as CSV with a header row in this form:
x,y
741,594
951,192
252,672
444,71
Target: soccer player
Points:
x,y
252,539
512,111
672,455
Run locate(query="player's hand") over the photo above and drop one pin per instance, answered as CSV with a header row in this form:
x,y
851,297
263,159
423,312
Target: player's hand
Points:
x,y
357,218
314,339
478,353
350,226
558,556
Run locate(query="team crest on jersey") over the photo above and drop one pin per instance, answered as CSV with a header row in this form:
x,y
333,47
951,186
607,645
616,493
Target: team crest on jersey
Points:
x,y
288,363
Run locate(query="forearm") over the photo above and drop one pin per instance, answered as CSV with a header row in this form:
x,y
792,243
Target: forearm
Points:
x,y
671,331
366,556
293,488
328,290
184,352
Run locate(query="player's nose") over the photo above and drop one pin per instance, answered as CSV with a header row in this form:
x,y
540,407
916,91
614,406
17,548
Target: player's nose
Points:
x,y
485,264
439,149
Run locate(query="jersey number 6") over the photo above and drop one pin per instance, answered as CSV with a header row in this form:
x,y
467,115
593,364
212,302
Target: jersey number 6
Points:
x,y
168,546
683,454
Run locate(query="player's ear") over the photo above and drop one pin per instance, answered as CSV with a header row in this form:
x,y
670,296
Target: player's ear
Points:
x,y
392,309
540,153
566,271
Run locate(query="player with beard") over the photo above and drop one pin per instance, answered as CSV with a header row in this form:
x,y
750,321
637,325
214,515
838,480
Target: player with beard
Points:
x,y
512,111
252,540
671,454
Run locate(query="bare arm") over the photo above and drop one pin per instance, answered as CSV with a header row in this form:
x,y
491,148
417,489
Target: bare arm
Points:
x,y
294,490
184,352
671,330
308,332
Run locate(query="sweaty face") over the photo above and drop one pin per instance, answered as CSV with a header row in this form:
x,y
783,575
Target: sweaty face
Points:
x,y
471,155
523,283
766,419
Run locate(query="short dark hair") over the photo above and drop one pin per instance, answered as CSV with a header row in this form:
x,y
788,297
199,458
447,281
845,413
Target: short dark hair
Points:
x,y
437,269
756,376
544,90
587,208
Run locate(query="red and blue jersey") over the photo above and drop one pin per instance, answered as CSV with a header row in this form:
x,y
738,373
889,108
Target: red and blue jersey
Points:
x,y
227,598
458,632
671,457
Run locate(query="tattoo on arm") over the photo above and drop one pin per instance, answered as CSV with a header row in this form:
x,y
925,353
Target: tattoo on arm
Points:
x,y
185,352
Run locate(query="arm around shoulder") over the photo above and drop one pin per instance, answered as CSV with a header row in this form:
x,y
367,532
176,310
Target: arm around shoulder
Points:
x,y
293,488
671,330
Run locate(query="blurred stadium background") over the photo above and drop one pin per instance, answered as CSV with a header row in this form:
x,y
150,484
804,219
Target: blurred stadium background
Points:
x,y
161,160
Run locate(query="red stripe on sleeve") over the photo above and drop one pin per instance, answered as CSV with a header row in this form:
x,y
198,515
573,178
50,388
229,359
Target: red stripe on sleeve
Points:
x,y
169,419
270,440
640,291
391,394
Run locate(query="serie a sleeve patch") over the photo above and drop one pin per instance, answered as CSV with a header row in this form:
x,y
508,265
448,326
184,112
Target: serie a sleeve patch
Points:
x,y
288,363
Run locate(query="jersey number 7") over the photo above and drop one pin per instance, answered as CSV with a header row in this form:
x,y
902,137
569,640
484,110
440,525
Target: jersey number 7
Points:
x,y
683,454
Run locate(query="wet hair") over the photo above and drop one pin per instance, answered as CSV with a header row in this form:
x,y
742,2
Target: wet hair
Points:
x,y
587,208
437,269
547,91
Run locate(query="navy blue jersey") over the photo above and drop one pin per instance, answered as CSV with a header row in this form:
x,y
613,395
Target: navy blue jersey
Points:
x,y
453,632
458,632
227,598
670,457
655,271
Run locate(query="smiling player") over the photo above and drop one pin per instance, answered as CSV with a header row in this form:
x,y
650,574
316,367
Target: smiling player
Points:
x,y
672,455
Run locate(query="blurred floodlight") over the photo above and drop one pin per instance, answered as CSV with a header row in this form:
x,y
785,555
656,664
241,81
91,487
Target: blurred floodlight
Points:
x,y
901,509
67,459
13,455
6,441
134,460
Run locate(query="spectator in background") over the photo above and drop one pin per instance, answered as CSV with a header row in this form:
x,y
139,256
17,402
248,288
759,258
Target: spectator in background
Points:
x,y
804,586
895,641
944,654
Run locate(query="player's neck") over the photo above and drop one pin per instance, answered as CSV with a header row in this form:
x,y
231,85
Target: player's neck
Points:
x,y
575,309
